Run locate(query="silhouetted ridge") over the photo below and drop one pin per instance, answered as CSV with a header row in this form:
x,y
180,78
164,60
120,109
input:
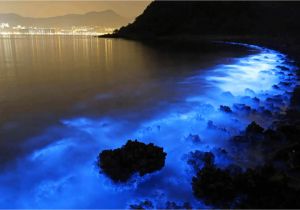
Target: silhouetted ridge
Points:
x,y
215,18
107,18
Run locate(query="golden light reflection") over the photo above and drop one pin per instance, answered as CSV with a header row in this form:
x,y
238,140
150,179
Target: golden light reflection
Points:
x,y
108,53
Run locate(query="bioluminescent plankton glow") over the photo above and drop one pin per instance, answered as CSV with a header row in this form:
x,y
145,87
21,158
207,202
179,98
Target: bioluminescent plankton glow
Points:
x,y
63,173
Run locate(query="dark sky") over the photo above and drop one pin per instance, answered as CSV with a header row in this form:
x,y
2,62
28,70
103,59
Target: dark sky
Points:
x,y
54,8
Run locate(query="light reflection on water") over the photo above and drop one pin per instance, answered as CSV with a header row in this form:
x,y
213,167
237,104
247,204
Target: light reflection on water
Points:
x,y
61,172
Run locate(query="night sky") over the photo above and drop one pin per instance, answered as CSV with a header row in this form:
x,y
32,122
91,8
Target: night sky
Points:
x,y
56,8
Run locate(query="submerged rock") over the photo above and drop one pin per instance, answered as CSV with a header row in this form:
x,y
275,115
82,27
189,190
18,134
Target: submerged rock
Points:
x,y
227,95
251,101
249,92
242,108
174,205
134,157
276,99
285,84
255,99
283,68
148,204
194,138
225,109
266,112
211,125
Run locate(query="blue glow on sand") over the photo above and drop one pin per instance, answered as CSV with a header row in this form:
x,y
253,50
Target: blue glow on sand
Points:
x,y
63,174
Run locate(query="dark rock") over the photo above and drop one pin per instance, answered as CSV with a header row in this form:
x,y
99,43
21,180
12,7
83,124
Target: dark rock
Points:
x,y
291,132
173,205
259,188
225,109
239,139
194,138
199,159
276,99
293,115
267,112
256,100
290,156
266,188
272,136
142,205
220,151
254,128
242,108
211,125
134,157
286,84
147,204
234,170
295,101
283,68
214,186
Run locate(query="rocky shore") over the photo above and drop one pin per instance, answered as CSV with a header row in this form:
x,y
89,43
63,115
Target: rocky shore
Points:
x,y
274,180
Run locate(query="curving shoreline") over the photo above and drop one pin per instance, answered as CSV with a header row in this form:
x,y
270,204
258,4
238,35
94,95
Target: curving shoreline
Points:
x,y
267,105
197,122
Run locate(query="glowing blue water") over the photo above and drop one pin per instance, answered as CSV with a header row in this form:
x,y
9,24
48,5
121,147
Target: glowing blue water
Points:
x,y
63,174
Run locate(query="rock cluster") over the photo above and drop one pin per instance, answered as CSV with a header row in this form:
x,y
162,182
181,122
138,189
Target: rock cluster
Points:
x,y
262,187
147,204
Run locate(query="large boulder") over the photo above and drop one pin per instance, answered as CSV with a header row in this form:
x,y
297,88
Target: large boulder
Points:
x,y
134,157
214,186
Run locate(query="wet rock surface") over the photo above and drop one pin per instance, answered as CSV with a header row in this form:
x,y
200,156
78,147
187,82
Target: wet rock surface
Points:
x,y
260,167
147,204
134,157
233,187
273,184
225,109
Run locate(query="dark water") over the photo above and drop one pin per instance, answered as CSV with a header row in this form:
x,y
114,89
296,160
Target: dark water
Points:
x,y
64,99
46,78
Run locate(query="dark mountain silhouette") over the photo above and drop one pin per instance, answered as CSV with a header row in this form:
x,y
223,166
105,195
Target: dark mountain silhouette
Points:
x,y
106,18
163,18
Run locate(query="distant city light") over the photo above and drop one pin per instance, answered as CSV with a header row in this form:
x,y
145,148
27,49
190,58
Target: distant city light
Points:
x,y
6,29
4,25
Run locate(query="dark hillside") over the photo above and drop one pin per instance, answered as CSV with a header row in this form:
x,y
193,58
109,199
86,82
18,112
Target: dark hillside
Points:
x,y
163,18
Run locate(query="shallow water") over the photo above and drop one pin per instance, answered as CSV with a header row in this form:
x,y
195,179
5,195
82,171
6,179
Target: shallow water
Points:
x,y
65,99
